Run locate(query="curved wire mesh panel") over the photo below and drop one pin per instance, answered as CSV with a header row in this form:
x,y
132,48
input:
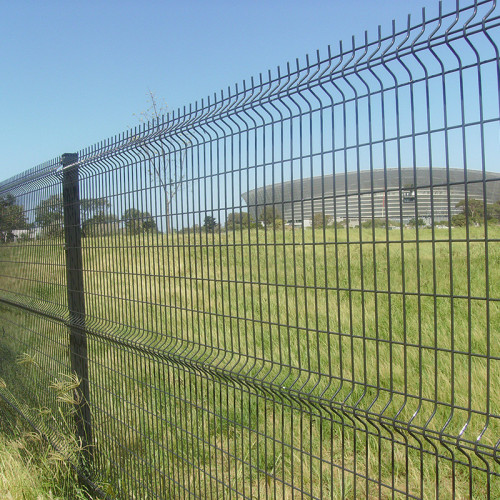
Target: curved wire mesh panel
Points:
x,y
288,289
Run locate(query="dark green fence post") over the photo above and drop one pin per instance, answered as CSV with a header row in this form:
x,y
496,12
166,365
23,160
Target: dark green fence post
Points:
x,y
76,302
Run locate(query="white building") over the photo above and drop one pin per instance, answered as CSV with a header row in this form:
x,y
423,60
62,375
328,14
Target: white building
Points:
x,y
395,194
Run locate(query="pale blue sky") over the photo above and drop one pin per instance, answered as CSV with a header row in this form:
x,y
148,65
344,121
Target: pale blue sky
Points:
x,y
75,72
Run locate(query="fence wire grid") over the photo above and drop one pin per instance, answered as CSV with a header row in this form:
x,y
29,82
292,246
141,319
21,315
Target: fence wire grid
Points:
x,y
289,289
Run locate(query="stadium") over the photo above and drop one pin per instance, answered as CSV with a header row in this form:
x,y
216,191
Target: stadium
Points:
x,y
399,195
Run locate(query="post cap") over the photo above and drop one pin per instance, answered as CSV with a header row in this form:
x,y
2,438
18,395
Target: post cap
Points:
x,y
69,159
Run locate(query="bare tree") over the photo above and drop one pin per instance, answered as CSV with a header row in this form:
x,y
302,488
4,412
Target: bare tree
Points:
x,y
167,166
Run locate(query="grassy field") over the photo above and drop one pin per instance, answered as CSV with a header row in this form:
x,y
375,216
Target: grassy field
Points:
x,y
325,361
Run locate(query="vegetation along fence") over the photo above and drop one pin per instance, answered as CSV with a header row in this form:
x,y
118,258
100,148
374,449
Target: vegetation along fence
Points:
x,y
289,289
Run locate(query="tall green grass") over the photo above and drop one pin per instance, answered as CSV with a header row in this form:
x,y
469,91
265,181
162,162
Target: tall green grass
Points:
x,y
29,467
260,362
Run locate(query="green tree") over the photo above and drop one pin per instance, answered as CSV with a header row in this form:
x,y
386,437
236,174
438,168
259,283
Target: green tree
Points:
x,y
473,212
413,222
459,220
137,222
49,215
270,217
237,220
210,224
320,220
93,207
12,217
494,211
95,218
99,224
473,209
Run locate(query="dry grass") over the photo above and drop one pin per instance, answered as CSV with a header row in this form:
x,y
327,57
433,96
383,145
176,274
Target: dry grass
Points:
x,y
30,470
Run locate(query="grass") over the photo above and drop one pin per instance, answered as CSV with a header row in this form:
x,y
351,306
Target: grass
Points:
x,y
29,468
361,323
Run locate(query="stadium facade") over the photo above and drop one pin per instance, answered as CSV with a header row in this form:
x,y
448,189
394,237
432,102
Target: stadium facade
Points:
x,y
396,194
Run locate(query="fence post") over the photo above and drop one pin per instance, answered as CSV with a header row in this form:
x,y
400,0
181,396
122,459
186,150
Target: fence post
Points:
x,y
76,302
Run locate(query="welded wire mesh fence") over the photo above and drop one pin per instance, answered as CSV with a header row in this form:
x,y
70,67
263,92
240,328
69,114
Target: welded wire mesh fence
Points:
x,y
290,289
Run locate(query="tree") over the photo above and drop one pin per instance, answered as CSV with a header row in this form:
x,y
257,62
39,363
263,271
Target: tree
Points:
x,y
269,217
473,209
99,224
210,224
413,222
93,207
494,211
474,212
49,215
167,158
137,222
12,217
237,220
459,220
95,219
320,220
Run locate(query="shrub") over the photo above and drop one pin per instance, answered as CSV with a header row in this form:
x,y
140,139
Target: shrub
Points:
x,y
269,217
413,222
239,220
321,220
377,223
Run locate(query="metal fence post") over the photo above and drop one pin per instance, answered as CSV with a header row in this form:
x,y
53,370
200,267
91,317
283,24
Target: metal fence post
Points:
x,y
76,301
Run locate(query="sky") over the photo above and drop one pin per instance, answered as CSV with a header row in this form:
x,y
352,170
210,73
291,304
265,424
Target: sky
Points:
x,y
73,73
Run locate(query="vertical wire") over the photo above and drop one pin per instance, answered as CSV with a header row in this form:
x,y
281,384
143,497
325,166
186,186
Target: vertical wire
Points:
x,y
388,265
285,301
417,255
486,248
317,346
229,184
221,279
428,136
149,368
467,252
404,295
343,149
450,242
260,284
354,382
201,162
239,284
158,449
487,266
327,286
194,300
167,442
296,119
388,259
268,122
301,119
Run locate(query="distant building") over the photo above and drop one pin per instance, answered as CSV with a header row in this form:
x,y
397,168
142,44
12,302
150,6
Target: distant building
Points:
x,y
355,197
25,233
299,222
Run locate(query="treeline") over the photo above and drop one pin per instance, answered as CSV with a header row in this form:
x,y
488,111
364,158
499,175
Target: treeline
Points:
x,y
97,219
